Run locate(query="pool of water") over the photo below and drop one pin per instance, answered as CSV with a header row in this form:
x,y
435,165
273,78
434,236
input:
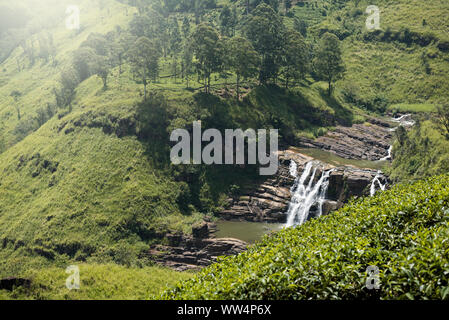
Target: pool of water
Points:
x,y
333,159
247,231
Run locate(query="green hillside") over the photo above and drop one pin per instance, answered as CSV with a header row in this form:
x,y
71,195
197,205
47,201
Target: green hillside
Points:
x,y
90,181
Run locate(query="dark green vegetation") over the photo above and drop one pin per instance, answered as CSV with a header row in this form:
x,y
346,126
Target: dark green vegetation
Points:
x,y
402,231
421,152
85,115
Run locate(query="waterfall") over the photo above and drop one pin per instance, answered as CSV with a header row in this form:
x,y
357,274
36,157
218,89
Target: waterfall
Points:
x,y
402,120
373,184
304,197
389,157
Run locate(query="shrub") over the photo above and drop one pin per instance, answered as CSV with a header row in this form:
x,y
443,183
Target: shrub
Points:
x,y
402,231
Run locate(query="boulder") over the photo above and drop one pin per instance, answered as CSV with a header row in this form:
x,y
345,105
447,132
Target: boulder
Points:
x,y
329,206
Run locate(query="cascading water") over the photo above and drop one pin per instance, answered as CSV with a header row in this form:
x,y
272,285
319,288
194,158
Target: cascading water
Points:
x,y
404,120
389,156
304,197
373,184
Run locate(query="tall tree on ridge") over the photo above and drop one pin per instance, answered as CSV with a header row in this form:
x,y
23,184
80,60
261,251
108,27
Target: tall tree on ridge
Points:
x,y
207,48
243,61
328,60
144,58
295,58
266,31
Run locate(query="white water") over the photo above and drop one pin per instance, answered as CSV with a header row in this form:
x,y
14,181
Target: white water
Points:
x,y
406,123
304,197
389,157
379,184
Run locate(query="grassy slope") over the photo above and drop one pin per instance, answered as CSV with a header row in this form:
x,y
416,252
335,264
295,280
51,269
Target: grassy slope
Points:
x,y
423,153
105,188
105,282
390,70
402,231
72,192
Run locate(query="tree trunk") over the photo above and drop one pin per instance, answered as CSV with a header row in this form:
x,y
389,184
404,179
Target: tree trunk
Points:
x,y
144,90
238,87
208,84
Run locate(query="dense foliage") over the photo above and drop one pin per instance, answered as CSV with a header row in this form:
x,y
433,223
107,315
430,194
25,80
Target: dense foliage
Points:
x,y
420,152
402,231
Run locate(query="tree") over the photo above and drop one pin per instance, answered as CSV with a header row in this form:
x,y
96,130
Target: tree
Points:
x,y
272,3
296,60
234,20
144,58
288,5
84,62
442,120
243,60
300,26
186,27
175,37
328,60
187,61
98,43
69,80
120,47
207,48
266,31
15,94
225,21
102,69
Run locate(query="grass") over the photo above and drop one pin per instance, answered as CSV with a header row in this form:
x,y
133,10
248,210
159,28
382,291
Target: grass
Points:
x,y
422,152
73,190
388,72
97,282
413,108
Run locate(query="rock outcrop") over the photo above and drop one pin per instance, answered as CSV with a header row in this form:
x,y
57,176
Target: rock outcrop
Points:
x,y
269,201
192,253
362,142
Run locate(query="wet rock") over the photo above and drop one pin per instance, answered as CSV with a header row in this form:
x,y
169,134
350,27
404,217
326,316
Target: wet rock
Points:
x,y
269,201
329,206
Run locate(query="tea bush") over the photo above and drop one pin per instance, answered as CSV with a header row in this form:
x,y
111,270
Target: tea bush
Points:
x,y
403,231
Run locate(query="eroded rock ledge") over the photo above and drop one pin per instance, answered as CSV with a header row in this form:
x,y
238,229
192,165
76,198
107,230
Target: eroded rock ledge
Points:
x,y
194,252
269,201
361,142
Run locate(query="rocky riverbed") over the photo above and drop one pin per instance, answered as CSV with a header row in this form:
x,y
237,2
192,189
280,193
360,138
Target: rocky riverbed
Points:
x,y
361,141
